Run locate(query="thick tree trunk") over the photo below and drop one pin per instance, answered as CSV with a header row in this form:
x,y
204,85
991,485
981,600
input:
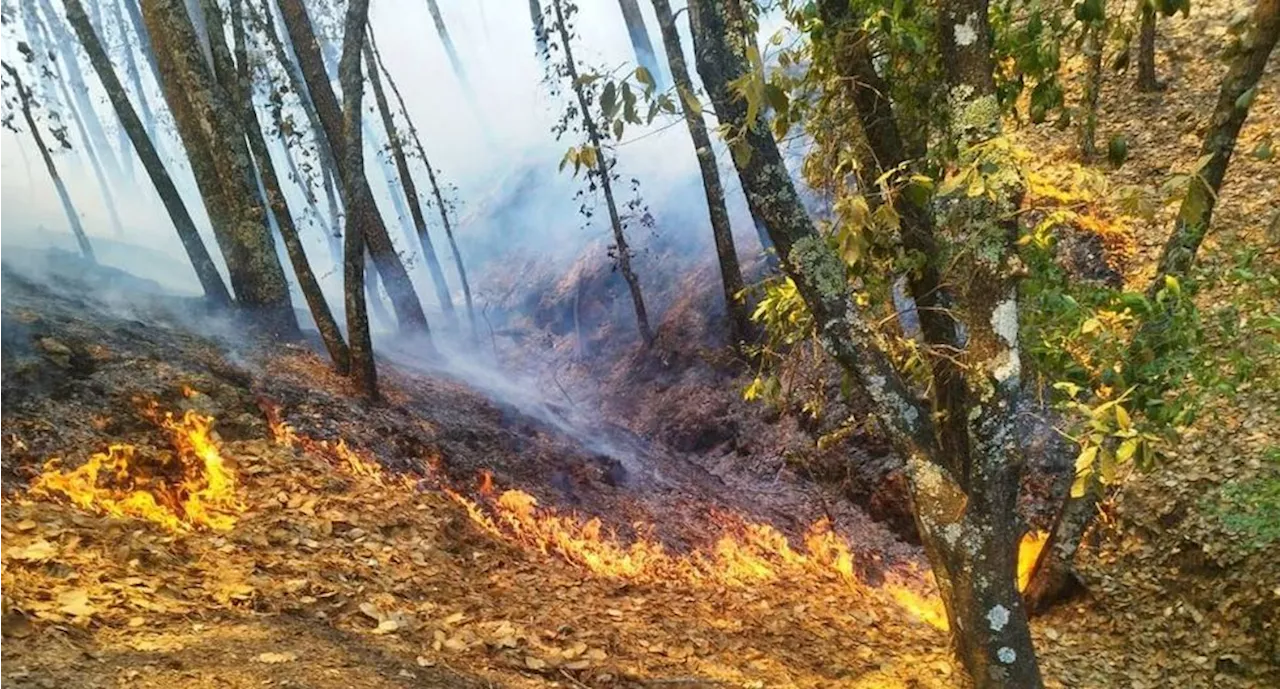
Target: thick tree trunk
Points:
x,y
435,188
606,183
214,288
1092,88
363,369
410,190
1147,48
214,137
131,66
645,56
73,218
1234,98
330,333
730,271
357,199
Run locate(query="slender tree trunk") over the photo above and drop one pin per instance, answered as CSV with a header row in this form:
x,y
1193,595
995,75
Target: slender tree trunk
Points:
x,y
134,12
730,271
214,137
1234,98
66,49
1053,573
373,290
214,288
539,29
442,30
606,184
131,66
76,101
363,370
357,197
1147,48
1092,87
435,186
73,218
645,56
409,188
330,333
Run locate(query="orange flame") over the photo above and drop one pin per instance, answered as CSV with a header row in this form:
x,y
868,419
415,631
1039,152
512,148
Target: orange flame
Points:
x,y
281,431
1028,554
193,489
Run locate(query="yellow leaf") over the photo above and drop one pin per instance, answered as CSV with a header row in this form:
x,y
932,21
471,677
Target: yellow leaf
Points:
x,y
534,663
1122,418
1080,484
1127,449
1090,325
76,603
1084,462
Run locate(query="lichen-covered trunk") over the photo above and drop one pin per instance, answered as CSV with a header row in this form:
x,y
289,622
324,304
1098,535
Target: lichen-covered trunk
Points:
x,y
639,35
363,369
330,333
1239,88
410,190
73,217
210,128
1147,48
606,183
1092,88
357,197
214,288
721,231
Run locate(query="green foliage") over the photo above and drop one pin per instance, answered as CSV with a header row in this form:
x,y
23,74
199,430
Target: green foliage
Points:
x,y
1250,508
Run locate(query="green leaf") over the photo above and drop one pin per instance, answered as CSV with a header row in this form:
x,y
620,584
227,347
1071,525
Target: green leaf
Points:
x,y
1246,98
691,102
609,100
617,129
644,77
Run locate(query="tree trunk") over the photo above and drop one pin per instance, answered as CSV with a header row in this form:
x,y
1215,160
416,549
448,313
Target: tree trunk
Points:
x,y
1147,48
86,121
214,288
214,137
639,35
730,271
539,29
1092,87
73,218
1053,577
435,188
307,283
442,30
134,13
131,67
364,372
357,196
1234,98
606,184
410,190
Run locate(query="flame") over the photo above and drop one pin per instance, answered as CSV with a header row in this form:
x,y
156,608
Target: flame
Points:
x,y
281,431
486,483
1028,554
191,489
745,554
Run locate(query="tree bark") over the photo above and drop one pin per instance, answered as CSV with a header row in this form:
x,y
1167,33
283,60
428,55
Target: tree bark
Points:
x,y
214,137
1053,577
435,189
357,196
330,333
1147,48
722,232
606,184
73,218
363,370
214,288
1092,88
639,35
410,190
1234,98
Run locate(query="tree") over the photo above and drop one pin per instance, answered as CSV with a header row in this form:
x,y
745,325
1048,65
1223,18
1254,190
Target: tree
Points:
x,y
214,288
1147,46
213,134
435,186
1053,574
596,159
131,66
964,495
410,190
73,218
639,35
363,369
1095,25
730,272
243,89
357,197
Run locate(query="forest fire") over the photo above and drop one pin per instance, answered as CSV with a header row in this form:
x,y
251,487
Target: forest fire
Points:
x,y
190,489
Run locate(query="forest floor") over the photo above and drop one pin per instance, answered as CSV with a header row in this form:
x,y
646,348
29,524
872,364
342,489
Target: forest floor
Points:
x,y
397,558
